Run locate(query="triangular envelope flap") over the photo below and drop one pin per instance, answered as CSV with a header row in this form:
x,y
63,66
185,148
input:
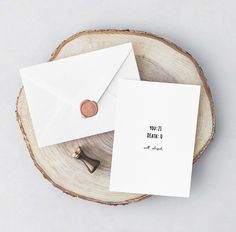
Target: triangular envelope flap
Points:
x,y
43,107
79,77
128,70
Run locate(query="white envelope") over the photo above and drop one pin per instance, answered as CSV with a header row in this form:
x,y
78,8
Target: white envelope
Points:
x,y
54,91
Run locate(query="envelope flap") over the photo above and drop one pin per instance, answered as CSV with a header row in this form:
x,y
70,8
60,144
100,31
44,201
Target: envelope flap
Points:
x,y
79,77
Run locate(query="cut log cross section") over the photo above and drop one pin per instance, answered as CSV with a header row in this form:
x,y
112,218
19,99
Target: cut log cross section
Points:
x,y
158,60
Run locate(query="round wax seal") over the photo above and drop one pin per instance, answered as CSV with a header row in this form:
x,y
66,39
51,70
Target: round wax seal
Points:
x,y
88,108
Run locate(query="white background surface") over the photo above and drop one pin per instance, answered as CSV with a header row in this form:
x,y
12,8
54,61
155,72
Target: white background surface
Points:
x,y
30,31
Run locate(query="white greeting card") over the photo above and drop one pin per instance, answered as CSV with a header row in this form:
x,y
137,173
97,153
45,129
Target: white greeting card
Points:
x,y
154,138
55,91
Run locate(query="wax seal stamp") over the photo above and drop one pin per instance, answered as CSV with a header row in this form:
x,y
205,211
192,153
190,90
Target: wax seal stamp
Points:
x,y
88,108
91,164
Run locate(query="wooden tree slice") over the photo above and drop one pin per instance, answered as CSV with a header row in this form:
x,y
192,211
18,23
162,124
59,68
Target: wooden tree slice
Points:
x,y
158,60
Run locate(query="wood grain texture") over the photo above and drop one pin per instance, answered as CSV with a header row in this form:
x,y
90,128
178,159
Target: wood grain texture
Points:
x,y
158,60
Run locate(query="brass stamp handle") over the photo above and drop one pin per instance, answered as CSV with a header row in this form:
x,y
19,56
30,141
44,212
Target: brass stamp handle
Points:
x,y
91,164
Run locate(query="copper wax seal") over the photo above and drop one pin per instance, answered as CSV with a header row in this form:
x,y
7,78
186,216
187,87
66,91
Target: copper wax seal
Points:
x,y
88,108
